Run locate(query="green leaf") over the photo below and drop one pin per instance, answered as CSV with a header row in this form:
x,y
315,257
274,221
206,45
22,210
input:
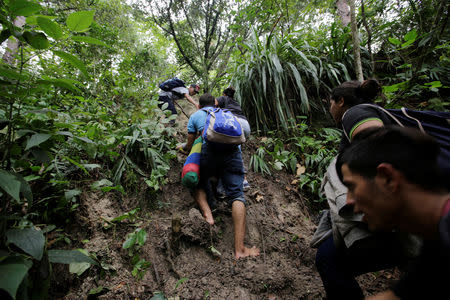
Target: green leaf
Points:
x,y
130,241
71,193
141,237
50,28
180,281
158,296
37,40
37,139
68,257
79,267
395,41
61,82
88,40
96,290
10,184
4,35
73,60
80,21
12,271
103,182
30,240
11,73
23,7
411,36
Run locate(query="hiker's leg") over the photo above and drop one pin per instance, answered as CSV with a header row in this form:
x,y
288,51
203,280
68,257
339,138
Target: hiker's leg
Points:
x,y
339,267
207,170
232,179
169,101
200,197
238,213
335,270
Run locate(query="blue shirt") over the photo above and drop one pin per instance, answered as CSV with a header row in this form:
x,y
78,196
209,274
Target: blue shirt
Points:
x,y
197,121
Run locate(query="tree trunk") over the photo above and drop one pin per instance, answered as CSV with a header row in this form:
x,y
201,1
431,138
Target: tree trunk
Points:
x,y
343,11
355,39
369,36
13,44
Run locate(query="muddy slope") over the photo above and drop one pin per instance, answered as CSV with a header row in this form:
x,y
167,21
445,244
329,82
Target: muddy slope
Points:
x,y
190,260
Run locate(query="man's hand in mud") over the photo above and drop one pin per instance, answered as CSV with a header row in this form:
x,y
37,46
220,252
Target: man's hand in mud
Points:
x,y
180,148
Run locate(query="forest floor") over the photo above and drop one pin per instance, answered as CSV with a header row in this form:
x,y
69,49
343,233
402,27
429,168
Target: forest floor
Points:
x,y
187,265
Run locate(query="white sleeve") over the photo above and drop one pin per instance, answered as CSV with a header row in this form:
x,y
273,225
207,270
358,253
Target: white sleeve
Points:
x,y
181,90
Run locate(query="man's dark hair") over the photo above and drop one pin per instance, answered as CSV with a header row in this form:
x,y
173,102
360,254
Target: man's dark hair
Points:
x,y
206,100
229,91
408,150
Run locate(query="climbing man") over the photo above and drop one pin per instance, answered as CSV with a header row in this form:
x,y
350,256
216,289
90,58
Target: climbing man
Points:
x,y
174,89
225,165
393,178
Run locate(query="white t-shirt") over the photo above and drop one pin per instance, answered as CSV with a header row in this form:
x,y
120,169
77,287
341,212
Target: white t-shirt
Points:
x,y
180,90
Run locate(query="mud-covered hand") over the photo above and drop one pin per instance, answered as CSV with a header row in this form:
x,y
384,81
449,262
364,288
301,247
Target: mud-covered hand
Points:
x,y
181,148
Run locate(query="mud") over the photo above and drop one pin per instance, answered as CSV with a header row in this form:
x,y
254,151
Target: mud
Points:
x,y
191,260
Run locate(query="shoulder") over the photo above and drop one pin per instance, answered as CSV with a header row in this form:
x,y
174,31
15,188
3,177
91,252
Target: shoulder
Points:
x,y
360,114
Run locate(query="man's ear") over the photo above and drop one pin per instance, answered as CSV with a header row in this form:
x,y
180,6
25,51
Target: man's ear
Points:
x,y
388,177
340,102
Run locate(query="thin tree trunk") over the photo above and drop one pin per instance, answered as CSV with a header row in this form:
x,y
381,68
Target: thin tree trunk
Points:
x,y
369,36
355,39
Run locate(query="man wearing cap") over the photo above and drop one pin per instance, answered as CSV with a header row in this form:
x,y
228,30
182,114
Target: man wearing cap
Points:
x,y
178,93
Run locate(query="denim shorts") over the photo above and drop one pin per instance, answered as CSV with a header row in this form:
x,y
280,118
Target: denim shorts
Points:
x,y
224,165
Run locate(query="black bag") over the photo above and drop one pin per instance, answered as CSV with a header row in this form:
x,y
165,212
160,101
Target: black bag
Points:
x,y
436,124
170,84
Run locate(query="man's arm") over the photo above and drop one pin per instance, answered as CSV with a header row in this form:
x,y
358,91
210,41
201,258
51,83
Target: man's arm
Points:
x,y
190,142
189,98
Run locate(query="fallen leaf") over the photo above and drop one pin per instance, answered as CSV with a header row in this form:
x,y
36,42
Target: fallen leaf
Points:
x,y
294,182
259,198
120,285
300,169
288,188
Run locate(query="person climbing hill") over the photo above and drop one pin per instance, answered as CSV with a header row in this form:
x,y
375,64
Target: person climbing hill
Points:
x,y
174,89
227,101
225,164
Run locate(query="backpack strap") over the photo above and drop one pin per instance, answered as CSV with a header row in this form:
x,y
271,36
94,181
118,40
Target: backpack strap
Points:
x,y
382,110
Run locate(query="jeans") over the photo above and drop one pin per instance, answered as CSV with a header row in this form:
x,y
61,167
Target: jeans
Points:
x,y
166,99
226,166
338,267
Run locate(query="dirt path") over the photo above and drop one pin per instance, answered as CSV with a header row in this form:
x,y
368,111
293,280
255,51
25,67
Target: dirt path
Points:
x,y
183,265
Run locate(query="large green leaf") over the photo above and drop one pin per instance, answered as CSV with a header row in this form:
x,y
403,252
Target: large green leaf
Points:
x,y
12,271
23,7
37,139
10,184
130,241
30,240
50,28
68,257
73,60
79,267
11,73
37,40
141,237
89,40
62,83
80,21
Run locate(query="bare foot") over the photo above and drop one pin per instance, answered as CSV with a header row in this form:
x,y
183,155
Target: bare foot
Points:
x,y
253,251
209,218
